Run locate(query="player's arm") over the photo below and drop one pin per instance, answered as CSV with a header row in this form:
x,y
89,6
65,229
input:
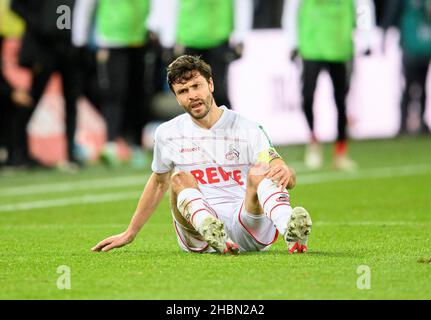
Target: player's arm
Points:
x,y
153,193
278,171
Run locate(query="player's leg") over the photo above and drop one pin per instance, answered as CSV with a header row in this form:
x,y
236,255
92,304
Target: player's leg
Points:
x,y
313,154
409,73
193,212
340,75
263,197
113,69
138,112
422,74
219,60
310,74
71,89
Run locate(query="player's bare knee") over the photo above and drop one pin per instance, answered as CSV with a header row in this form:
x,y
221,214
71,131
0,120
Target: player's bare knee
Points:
x,y
181,180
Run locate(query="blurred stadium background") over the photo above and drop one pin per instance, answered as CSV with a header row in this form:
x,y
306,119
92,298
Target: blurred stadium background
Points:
x,y
263,84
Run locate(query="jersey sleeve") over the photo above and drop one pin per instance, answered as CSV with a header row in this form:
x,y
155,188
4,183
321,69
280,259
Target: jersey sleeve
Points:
x,y
259,142
161,161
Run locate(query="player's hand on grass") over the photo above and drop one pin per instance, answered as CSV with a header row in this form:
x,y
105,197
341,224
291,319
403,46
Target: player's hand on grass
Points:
x,y
112,242
282,175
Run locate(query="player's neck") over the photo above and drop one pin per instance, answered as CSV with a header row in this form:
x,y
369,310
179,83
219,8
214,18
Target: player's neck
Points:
x,y
211,118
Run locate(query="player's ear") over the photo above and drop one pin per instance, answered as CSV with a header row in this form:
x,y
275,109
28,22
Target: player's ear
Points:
x,y
211,85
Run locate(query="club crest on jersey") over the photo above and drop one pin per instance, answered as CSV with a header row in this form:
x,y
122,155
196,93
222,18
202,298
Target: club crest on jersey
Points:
x,y
232,153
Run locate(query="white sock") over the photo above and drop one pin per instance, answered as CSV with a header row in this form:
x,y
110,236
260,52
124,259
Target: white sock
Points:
x,y
193,206
275,203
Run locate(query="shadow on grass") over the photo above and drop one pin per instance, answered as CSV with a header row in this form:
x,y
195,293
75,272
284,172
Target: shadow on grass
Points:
x,y
174,253
340,254
280,253
327,254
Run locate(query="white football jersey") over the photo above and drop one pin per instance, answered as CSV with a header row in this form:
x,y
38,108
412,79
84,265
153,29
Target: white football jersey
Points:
x,y
219,158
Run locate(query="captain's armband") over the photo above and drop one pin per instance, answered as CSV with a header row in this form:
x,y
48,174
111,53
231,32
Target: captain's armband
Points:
x,y
268,155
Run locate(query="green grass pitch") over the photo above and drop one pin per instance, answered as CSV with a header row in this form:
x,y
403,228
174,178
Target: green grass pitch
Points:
x,y
379,217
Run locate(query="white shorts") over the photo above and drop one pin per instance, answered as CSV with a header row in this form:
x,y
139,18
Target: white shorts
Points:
x,y
250,232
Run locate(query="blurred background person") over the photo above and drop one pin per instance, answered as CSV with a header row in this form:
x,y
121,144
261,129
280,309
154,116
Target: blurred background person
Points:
x,y
5,106
413,19
121,37
212,29
321,32
47,49
12,100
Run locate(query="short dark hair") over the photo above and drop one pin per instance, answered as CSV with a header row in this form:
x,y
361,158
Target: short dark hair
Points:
x,y
185,67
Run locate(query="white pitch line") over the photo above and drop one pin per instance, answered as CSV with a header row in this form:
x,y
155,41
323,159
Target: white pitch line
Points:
x,y
371,223
61,226
63,202
102,183
323,223
364,174
105,183
140,180
111,197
